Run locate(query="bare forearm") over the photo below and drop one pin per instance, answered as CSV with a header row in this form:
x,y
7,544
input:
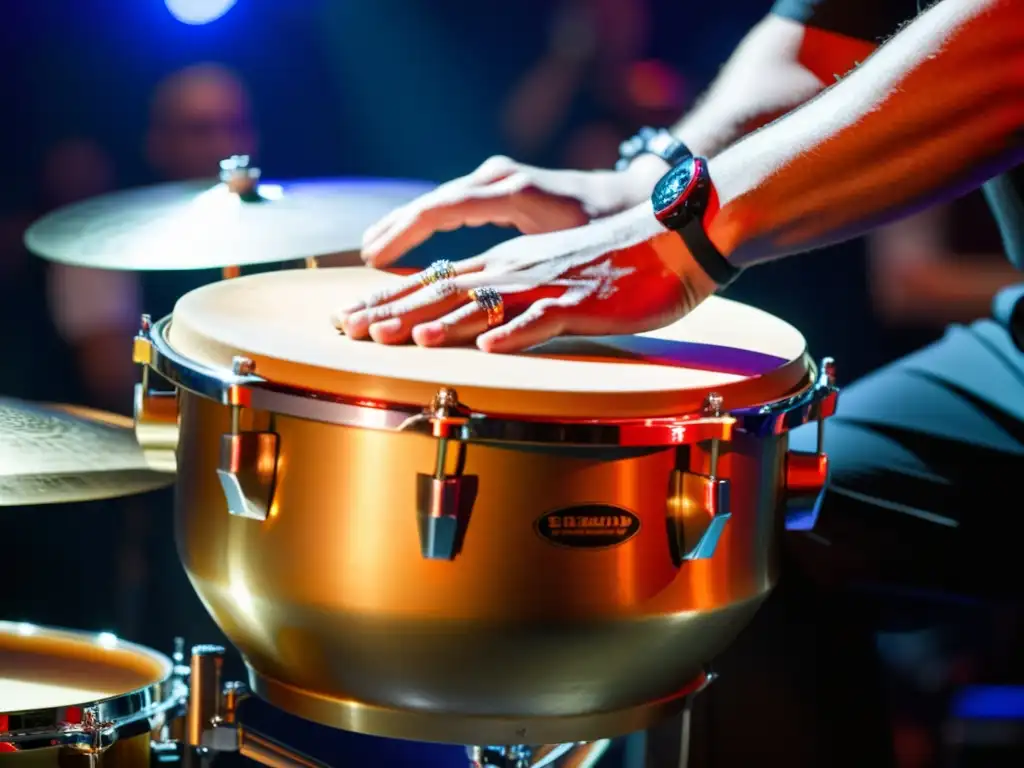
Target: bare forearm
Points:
x,y
935,112
779,65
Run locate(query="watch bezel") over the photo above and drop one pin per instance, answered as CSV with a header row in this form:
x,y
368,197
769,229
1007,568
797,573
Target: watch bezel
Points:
x,y
681,194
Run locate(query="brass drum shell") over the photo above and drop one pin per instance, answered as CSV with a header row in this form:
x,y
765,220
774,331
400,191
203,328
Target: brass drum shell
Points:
x,y
516,640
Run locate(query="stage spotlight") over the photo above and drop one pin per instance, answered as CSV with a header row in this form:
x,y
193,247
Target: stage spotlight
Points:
x,y
198,11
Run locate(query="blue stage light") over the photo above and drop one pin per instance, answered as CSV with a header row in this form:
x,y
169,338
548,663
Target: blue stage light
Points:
x,y
198,11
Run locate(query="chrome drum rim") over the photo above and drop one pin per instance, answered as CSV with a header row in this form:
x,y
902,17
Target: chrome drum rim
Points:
x,y
93,726
814,399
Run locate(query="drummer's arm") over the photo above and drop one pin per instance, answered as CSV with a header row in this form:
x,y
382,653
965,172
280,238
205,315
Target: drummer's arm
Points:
x,y
790,56
779,65
934,112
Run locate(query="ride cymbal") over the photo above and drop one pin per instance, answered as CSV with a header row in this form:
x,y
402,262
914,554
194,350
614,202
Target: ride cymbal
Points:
x,y
50,454
210,225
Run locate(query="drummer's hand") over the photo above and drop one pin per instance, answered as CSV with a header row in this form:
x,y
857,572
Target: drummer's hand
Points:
x,y
506,193
624,274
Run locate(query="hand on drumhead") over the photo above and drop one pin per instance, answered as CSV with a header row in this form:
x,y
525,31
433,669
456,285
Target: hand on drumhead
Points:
x,y
506,193
625,274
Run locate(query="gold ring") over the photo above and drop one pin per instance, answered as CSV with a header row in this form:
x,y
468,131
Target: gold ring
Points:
x,y
436,272
491,302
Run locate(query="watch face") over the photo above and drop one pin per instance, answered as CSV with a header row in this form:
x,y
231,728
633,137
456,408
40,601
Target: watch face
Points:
x,y
671,187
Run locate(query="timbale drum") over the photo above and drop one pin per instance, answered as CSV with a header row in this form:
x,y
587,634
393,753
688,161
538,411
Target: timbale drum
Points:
x,y
76,698
445,545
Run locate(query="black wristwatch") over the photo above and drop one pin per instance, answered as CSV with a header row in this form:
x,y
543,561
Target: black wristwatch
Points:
x,y
652,141
680,199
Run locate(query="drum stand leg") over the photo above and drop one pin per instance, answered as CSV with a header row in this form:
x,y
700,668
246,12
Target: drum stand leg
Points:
x,y
666,744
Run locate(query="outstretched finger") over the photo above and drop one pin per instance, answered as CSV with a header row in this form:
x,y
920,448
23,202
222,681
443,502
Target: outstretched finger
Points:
x,y
398,289
465,207
377,235
466,323
543,320
392,322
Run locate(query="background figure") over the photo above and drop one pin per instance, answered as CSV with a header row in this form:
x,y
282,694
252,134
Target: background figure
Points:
x,y
941,266
199,115
591,87
95,311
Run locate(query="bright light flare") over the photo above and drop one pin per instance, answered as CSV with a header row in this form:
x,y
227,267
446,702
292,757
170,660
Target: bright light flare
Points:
x,y
197,12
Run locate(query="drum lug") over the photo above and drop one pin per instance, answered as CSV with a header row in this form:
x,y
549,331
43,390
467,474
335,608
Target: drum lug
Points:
x,y
444,501
698,510
248,471
807,473
443,505
155,413
698,504
248,461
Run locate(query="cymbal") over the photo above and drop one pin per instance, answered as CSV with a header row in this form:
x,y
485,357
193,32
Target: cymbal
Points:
x,y
56,453
206,225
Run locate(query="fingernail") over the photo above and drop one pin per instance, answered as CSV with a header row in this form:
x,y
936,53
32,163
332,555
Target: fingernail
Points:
x,y
355,324
428,334
387,326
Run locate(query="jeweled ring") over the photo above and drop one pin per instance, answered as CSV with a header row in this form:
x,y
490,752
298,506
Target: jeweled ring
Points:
x,y
438,271
491,302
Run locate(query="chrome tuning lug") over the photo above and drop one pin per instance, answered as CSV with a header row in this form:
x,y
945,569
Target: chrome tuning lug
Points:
x,y
698,502
248,460
444,500
807,473
155,412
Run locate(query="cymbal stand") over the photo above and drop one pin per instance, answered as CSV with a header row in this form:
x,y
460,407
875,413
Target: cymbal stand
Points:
x,y
211,727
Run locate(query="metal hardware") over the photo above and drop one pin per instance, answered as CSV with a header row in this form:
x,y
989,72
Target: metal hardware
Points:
x,y
211,717
444,501
698,504
668,742
698,510
813,403
241,178
251,391
155,413
572,755
93,727
204,701
807,473
501,757
248,460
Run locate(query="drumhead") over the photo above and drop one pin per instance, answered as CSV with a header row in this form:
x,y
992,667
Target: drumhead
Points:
x,y
282,320
43,668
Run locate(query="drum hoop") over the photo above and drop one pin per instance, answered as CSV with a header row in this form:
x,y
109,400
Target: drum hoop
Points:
x,y
813,398
94,726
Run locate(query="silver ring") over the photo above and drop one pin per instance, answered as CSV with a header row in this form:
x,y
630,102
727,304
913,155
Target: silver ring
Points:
x,y
437,272
491,302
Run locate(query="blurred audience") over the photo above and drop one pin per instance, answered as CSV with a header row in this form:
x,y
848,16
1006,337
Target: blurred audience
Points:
x,y
942,266
199,115
591,88
93,310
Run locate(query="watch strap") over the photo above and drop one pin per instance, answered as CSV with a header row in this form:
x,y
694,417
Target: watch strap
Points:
x,y
652,141
707,256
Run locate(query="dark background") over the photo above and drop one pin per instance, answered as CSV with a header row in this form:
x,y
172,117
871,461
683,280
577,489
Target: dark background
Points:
x,y
397,88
